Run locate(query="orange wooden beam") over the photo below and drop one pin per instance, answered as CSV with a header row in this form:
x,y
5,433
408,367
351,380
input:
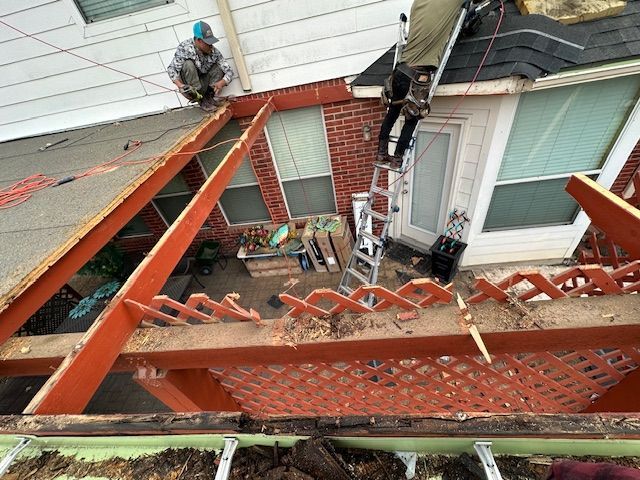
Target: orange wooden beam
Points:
x,y
35,295
193,390
622,397
73,384
217,346
617,218
306,98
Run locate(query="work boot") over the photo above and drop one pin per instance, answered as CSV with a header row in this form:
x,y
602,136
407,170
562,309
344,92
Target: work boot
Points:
x,y
383,151
209,103
395,161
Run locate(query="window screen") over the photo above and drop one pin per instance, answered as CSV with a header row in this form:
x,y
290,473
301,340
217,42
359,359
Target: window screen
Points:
x,y
557,132
299,146
242,200
94,10
135,227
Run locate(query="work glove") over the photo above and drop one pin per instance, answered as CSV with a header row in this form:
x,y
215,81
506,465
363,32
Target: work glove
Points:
x,y
191,93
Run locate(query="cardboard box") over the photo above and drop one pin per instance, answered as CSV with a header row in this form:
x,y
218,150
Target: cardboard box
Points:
x,y
313,250
326,248
342,242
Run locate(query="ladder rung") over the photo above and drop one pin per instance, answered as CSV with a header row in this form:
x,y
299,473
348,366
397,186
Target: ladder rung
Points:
x,y
374,214
382,191
345,289
363,256
358,275
387,166
370,236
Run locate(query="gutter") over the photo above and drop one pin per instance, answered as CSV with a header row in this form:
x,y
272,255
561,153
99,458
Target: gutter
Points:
x,y
104,448
514,85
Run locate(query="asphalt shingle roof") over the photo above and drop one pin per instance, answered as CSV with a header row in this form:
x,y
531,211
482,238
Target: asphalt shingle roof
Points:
x,y
530,46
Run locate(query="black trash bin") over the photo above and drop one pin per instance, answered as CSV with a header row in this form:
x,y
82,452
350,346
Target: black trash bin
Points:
x,y
445,255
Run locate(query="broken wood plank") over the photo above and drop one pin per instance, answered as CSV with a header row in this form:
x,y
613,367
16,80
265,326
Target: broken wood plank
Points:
x,y
571,11
578,323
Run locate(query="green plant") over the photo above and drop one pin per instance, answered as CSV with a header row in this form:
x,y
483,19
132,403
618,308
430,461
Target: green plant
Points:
x,y
108,262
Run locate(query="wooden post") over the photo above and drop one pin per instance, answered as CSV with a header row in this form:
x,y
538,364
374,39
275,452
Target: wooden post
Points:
x,y
192,390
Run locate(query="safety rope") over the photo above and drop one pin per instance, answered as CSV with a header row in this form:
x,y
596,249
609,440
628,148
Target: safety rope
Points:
x,y
85,58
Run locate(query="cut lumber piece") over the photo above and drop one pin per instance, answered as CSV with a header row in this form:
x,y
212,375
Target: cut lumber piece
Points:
x,y
572,11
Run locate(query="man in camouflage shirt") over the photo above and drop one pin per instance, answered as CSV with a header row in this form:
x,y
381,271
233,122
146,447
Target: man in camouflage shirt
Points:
x,y
198,69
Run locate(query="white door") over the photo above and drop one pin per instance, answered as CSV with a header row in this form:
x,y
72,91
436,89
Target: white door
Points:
x,y
427,186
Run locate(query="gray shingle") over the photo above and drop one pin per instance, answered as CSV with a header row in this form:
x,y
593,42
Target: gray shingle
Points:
x,y
533,46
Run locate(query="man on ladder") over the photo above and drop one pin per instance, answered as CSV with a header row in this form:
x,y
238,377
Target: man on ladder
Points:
x,y
406,90
435,25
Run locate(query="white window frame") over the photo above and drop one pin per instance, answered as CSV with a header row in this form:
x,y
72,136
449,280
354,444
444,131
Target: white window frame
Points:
x,y
219,202
175,194
167,195
305,177
127,20
618,155
136,235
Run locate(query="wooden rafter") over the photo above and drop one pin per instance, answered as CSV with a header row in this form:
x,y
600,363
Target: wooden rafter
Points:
x,y
75,381
61,266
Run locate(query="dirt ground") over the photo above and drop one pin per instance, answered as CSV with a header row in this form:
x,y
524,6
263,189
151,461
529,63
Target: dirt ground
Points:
x,y
311,461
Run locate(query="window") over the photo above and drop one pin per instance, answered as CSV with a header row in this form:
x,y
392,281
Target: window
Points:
x,y
299,147
135,228
242,200
172,199
556,133
94,10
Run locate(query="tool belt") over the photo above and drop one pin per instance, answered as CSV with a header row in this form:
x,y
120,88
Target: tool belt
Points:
x,y
415,104
386,95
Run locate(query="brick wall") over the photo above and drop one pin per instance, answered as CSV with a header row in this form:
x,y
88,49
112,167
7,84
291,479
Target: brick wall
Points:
x,y
351,160
632,165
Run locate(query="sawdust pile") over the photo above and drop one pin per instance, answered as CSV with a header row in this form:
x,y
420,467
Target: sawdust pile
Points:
x,y
307,328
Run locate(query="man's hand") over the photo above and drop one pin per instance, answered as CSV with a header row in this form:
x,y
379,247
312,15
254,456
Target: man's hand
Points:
x,y
218,86
190,93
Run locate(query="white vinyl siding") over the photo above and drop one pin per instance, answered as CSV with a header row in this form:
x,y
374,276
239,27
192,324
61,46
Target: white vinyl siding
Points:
x,y
557,132
94,10
299,147
242,200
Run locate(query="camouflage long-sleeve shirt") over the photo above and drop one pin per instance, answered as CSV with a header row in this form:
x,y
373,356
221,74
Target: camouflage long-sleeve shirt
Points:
x,y
187,51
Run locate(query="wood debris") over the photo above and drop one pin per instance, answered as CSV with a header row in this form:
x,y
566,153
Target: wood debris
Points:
x,y
473,330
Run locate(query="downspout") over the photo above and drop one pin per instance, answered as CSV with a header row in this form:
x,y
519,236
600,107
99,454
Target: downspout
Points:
x,y
236,51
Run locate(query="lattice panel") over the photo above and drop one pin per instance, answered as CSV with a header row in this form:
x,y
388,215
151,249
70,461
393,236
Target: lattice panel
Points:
x,y
199,308
533,382
574,282
415,294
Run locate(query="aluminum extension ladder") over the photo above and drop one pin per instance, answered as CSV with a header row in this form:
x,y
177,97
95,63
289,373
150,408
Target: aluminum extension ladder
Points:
x,y
362,269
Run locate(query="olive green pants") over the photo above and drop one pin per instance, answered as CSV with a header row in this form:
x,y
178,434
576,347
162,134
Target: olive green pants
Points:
x,y
190,75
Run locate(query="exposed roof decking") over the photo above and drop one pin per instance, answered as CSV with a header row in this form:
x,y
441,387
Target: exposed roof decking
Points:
x,y
37,233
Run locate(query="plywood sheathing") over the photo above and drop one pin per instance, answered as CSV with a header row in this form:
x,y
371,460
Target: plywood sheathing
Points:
x,y
572,11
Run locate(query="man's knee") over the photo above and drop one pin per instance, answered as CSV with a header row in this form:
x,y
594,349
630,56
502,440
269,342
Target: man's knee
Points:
x,y
214,75
189,74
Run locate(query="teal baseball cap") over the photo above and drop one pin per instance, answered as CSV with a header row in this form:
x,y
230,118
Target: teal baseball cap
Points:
x,y
202,30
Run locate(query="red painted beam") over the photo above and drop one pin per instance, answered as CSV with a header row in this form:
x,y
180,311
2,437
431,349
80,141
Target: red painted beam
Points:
x,y
306,98
618,219
622,397
73,384
54,277
193,390
216,346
